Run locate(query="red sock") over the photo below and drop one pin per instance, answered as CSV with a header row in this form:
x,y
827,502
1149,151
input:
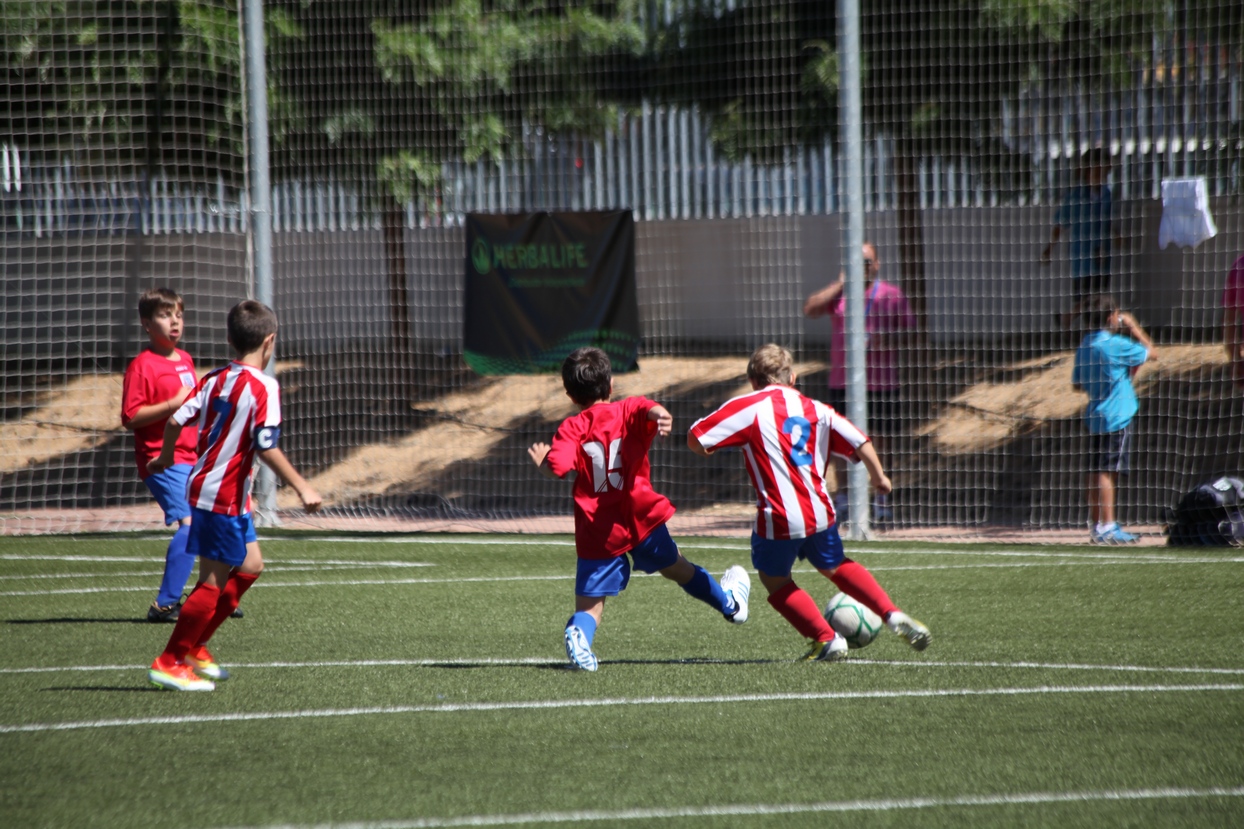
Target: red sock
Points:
x,y
237,584
801,611
854,579
195,615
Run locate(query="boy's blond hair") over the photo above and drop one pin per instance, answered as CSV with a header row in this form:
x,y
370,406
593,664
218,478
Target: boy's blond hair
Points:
x,y
771,364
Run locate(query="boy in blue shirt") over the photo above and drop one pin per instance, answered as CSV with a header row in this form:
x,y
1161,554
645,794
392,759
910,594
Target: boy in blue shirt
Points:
x,y
1086,213
1105,362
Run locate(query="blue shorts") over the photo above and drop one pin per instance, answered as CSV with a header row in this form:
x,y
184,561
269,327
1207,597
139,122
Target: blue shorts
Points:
x,y
220,537
609,576
775,557
169,490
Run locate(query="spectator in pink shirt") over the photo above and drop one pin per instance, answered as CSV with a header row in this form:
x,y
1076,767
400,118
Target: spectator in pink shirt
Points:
x,y
887,318
1233,320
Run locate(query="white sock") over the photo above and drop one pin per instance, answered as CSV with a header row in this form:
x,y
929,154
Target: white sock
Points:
x,y
1103,528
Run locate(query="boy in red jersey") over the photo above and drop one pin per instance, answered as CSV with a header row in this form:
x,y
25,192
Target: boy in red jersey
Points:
x,y
787,440
157,381
238,412
619,518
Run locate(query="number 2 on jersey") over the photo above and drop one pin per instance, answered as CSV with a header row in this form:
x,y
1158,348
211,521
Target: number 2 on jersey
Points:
x,y
605,476
800,430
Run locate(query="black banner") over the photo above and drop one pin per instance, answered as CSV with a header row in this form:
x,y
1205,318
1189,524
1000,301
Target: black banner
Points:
x,y
540,285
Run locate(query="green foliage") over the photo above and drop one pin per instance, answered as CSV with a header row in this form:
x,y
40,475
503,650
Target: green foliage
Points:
x,y
111,83
485,70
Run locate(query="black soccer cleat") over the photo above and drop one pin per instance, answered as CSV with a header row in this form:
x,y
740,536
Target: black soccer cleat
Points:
x,y
236,614
168,613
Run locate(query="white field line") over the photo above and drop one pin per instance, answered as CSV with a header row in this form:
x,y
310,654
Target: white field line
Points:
x,y
534,660
1137,557
475,579
355,562
270,584
736,547
758,809
614,702
270,568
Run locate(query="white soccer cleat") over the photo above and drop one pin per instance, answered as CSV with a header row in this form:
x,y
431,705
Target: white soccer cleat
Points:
x,y
578,651
834,650
738,584
916,634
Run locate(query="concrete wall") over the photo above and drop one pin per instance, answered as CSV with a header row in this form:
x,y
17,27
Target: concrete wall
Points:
x,y
723,283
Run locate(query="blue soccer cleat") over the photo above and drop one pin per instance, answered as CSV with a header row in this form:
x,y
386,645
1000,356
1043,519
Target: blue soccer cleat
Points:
x,y
1113,535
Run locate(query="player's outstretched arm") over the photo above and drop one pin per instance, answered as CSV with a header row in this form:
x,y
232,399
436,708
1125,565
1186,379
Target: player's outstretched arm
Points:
x,y
876,475
538,453
172,429
278,463
664,420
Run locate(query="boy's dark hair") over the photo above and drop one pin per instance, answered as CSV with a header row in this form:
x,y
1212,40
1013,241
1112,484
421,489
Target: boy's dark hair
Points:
x,y
1099,309
155,300
587,376
249,323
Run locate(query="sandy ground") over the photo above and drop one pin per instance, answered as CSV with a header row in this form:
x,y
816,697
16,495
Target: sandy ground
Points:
x,y
473,421
986,414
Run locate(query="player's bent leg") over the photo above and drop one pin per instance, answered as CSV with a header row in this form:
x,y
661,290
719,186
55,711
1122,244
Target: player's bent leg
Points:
x,y
697,583
800,610
856,581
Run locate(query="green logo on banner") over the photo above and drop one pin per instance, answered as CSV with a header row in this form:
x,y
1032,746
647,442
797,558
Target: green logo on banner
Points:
x,y
481,256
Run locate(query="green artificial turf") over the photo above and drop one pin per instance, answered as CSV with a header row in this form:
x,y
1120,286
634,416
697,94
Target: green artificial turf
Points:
x,y
1065,686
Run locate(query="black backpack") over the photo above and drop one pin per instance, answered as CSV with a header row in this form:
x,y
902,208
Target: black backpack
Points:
x,y
1211,515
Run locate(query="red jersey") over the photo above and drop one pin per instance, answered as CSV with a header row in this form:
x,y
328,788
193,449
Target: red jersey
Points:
x,y
238,411
606,446
786,440
151,379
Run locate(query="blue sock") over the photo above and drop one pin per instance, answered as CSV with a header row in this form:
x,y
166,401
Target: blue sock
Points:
x,y
708,590
584,622
177,566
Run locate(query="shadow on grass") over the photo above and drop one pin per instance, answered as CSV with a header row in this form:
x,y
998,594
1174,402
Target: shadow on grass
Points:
x,y
107,688
77,620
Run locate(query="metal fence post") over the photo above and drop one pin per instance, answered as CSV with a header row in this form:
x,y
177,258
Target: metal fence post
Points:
x,y
852,140
261,212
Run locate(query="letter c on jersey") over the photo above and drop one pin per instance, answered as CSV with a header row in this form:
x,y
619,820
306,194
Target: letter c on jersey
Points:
x,y
266,437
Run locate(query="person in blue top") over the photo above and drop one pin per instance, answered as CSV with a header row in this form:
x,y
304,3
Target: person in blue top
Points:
x,y
1086,212
1105,363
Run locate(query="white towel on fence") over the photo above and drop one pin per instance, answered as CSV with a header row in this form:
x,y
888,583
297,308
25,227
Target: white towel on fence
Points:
x,y
1186,220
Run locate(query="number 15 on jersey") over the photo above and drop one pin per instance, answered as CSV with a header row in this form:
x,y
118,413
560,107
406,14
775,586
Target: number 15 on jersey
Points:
x,y
605,476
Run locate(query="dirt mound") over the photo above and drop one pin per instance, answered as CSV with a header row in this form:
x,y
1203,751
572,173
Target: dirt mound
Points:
x,y
1030,393
83,413
470,423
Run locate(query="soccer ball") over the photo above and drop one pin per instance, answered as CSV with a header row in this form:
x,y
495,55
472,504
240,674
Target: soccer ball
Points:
x,y
857,624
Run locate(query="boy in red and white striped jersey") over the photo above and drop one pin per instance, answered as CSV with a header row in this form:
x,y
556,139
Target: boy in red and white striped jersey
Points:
x,y
787,440
238,411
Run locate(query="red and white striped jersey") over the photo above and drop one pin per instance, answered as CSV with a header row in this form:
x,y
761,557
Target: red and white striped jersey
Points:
x,y
231,405
786,440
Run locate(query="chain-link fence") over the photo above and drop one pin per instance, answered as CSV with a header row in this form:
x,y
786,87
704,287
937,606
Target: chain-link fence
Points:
x,y
123,142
